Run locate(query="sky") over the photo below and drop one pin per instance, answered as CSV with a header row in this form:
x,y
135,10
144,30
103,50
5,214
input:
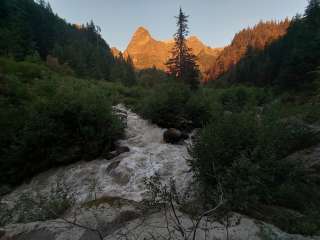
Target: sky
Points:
x,y
213,21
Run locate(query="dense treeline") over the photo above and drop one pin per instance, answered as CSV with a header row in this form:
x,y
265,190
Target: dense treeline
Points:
x,y
247,40
288,62
29,29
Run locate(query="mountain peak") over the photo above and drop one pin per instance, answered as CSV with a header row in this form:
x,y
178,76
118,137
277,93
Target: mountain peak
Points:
x,y
142,31
194,38
145,51
115,52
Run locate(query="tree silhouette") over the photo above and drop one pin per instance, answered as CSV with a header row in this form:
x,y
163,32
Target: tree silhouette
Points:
x,y
182,64
312,12
290,56
29,27
246,42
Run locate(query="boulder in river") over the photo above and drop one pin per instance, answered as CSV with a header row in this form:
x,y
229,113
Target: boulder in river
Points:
x,y
121,113
173,136
119,150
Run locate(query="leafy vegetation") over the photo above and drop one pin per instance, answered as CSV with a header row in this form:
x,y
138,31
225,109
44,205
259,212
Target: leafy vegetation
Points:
x,y
173,105
48,120
244,150
164,105
151,77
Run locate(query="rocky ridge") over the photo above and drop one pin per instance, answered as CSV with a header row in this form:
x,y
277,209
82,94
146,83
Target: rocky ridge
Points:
x,y
146,52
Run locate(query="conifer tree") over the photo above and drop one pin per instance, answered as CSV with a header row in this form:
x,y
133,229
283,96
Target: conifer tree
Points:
x,y
313,12
182,64
130,75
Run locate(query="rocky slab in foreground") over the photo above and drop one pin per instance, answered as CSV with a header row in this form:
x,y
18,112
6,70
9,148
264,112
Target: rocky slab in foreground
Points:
x,y
126,224
92,221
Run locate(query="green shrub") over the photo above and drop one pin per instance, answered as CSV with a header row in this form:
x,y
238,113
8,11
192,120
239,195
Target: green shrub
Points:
x,y
245,155
239,98
26,70
151,77
173,105
201,108
165,105
223,148
118,93
52,120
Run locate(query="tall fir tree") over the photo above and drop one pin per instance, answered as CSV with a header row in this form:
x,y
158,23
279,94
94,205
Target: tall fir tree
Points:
x,y
313,12
182,64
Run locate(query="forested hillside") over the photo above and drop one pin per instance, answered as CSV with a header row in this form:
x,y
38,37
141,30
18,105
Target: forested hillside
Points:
x,y
29,29
290,62
246,41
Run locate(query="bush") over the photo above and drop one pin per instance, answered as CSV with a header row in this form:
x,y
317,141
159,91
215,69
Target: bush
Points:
x,y
52,120
239,98
201,108
245,154
174,105
26,70
151,77
165,105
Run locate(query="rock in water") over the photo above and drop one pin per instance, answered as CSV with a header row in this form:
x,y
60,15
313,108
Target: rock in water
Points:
x,y
173,136
119,150
122,149
121,114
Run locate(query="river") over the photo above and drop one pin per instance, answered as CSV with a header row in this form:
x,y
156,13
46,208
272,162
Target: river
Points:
x,y
124,175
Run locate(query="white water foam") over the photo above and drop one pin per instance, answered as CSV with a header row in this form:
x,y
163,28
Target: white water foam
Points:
x,y
123,176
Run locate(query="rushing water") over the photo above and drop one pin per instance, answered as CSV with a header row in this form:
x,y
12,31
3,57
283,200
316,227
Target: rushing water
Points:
x,y
122,176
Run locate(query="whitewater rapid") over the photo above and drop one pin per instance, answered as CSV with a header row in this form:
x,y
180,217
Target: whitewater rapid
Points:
x,y
124,175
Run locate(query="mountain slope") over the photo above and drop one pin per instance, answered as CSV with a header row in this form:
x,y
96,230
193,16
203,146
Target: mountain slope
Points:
x,y
290,62
115,52
30,28
245,42
147,52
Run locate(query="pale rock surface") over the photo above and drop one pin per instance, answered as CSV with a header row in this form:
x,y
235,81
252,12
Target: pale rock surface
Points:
x,y
146,52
